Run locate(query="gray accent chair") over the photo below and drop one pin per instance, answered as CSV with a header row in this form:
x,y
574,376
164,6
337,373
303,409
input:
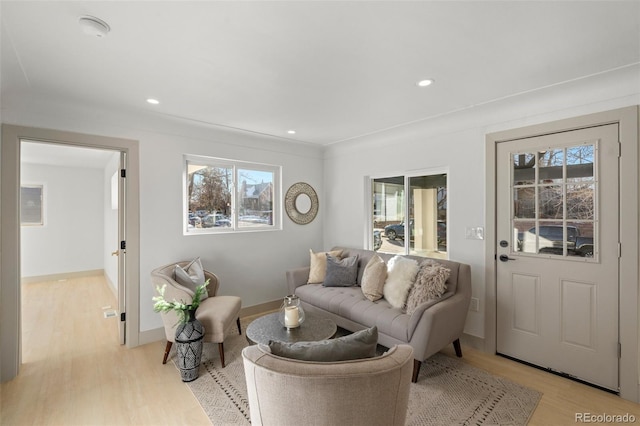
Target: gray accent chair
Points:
x,y
434,324
216,313
370,391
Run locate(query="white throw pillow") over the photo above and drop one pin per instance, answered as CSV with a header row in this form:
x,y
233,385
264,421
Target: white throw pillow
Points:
x,y
401,273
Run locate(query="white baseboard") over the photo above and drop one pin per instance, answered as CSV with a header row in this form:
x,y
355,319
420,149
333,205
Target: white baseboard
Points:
x,y
156,334
472,341
261,308
150,336
61,276
112,286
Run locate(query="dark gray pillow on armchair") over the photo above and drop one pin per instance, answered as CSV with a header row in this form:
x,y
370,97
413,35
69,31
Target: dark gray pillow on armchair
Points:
x,y
361,344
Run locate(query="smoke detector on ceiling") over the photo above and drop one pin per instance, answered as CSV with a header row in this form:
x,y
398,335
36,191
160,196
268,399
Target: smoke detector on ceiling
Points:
x,y
93,26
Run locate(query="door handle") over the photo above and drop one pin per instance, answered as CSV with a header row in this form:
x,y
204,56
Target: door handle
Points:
x,y
505,258
115,253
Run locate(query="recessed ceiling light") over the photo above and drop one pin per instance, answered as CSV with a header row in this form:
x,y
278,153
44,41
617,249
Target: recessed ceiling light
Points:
x,y
291,132
153,101
425,83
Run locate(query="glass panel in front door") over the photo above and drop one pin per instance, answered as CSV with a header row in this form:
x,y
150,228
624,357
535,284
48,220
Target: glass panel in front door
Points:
x,y
554,201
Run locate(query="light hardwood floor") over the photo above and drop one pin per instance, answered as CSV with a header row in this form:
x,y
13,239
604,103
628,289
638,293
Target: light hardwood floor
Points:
x,y
74,371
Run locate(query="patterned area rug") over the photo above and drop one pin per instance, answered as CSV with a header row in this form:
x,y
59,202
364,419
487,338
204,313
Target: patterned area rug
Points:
x,y
448,392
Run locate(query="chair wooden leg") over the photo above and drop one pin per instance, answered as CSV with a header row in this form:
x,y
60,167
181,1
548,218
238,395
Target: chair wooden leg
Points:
x,y
416,370
166,352
221,350
458,349
239,328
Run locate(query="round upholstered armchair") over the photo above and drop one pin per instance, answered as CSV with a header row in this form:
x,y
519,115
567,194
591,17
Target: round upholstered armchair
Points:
x,y
369,391
216,313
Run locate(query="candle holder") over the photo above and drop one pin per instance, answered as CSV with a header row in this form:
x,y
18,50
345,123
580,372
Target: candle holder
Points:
x,y
291,314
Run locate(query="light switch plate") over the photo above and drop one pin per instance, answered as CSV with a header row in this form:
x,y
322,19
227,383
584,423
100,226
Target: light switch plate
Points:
x,y
474,233
474,306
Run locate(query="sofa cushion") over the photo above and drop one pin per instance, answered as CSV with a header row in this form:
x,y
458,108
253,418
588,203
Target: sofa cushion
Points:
x,y
373,278
401,273
429,284
318,265
361,344
191,276
350,303
341,272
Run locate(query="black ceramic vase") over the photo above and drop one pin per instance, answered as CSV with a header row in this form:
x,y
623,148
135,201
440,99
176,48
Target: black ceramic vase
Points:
x,y
189,347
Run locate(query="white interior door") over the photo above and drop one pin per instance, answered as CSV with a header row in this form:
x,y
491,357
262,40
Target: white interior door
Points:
x,y
558,249
122,258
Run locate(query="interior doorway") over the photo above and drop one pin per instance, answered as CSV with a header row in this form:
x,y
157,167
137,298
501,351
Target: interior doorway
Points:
x,y
10,255
69,213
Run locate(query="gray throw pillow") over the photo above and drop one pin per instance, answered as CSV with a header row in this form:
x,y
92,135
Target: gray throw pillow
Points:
x,y
361,344
191,276
341,272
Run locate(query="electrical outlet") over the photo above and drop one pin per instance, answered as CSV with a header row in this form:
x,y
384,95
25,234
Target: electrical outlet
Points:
x,y
474,306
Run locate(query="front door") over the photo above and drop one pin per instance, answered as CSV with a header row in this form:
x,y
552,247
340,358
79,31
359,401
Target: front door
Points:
x,y
557,255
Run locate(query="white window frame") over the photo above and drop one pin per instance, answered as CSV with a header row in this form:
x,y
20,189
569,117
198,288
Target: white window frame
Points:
x,y
235,165
368,210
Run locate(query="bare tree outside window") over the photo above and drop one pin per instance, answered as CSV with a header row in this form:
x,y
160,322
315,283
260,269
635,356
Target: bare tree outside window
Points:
x,y
210,189
554,201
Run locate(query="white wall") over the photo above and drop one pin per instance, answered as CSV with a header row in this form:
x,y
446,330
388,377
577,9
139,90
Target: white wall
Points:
x,y
253,265
71,238
110,228
457,141
249,265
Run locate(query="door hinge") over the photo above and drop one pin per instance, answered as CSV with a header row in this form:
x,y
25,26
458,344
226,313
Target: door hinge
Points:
x,y
619,250
619,149
619,350
123,173
123,245
123,316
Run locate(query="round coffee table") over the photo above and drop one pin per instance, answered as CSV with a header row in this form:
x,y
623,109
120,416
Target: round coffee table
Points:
x,y
267,328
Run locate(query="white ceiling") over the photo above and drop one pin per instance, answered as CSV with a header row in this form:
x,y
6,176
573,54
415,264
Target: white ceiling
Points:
x,y
64,155
331,70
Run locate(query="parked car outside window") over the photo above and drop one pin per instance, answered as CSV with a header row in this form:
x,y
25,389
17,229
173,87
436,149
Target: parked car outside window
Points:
x,y
396,230
218,219
550,241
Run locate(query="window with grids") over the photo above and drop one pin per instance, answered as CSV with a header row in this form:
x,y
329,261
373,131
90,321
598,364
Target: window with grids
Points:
x,y
554,201
226,196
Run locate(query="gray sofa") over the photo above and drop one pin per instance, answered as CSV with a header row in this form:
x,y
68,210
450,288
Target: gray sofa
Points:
x,y
434,324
